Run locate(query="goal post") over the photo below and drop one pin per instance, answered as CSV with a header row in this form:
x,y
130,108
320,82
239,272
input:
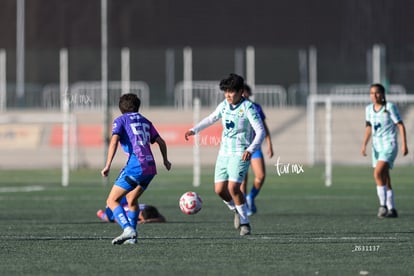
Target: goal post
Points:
x,y
3,80
196,146
328,101
65,108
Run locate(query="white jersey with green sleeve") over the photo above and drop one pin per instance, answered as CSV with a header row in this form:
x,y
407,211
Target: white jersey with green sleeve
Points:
x,y
240,123
383,124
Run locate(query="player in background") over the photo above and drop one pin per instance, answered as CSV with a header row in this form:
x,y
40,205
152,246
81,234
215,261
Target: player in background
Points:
x,y
382,118
135,134
147,213
257,161
240,120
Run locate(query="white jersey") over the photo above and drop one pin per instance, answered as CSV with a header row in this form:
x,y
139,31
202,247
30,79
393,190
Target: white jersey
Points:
x,y
383,124
242,127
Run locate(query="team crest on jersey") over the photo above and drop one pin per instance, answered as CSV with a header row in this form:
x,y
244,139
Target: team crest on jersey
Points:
x,y
229,124
241,112
377,126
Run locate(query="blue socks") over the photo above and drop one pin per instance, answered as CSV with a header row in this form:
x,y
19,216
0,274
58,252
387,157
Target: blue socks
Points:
x,y
109,214
121,217
133,218
254,192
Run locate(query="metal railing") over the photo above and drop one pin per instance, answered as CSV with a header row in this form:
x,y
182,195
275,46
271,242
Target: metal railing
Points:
x,y
88,95
210,95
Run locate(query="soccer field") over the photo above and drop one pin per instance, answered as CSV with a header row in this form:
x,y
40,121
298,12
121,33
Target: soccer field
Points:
x,y
301,228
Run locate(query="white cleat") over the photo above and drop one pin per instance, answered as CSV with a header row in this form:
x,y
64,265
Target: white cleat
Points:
x,y
245,229
129,233
131,241
382,212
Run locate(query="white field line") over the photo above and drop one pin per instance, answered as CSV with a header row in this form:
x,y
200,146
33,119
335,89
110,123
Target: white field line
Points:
x,y
284,239
21,189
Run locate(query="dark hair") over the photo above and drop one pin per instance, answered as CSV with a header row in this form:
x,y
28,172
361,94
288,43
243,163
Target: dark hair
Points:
x,y
381,90
248,89
129,103
233,83
150,211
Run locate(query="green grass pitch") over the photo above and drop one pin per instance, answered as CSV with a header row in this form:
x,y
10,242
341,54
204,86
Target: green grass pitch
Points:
x,y
301,228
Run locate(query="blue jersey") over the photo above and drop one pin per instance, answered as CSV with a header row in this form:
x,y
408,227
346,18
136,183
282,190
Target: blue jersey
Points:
x,y
260,111
383,124
136,136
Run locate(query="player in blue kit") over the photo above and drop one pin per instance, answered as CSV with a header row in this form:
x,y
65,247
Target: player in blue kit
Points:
x,y
257,161
135,134
147,213
240,121
382,119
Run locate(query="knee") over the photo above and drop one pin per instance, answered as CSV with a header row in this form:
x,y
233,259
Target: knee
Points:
x,y
260,178
234,190
218,190
110,202
377,175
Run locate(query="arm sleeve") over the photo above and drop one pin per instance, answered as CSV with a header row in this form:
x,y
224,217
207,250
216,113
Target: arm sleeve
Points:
x,y
367,117
152,132
395,114
257,124
208,121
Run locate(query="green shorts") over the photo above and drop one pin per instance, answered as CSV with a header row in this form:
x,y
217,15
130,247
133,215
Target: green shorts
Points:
x,y
387,155
230,168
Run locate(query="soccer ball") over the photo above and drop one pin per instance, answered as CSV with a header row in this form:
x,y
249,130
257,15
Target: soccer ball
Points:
x,y
190,203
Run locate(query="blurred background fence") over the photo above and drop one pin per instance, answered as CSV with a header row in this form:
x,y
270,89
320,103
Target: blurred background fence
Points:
x,y
276,43
172,52
281,77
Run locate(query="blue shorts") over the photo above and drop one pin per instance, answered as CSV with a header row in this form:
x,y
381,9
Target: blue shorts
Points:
x,y
230,168
257,154
387,155
130,176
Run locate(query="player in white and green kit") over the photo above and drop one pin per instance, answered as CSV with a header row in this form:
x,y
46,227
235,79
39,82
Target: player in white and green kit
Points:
x,y
382,119
240,121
